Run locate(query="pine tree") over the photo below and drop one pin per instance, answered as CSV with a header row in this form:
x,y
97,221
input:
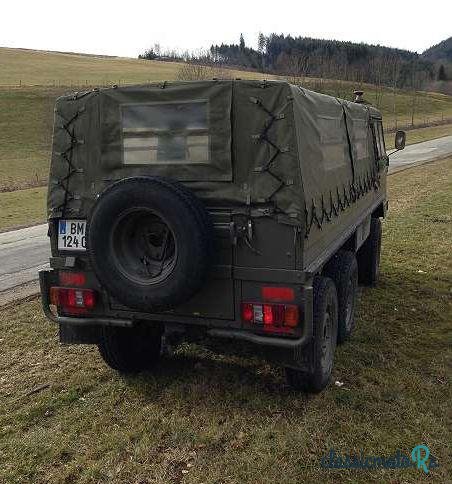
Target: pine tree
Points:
x,y
261,43
242,42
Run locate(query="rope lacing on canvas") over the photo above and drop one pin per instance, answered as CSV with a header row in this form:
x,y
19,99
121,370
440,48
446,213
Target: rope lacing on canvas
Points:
x,y
67,156
263,136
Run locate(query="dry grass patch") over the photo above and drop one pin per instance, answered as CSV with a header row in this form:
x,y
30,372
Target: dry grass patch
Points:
x,y
22,208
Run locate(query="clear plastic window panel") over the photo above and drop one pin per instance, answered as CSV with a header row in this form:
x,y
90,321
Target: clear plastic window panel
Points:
x,y
165,133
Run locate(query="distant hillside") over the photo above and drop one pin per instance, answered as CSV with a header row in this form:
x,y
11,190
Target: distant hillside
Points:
x,y
26,67
307,57
441,52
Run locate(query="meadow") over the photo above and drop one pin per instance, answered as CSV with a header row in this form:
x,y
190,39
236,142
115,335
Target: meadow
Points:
x,y
223,417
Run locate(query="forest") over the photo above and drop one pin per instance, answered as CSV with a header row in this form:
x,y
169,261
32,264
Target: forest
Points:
x,y
299,57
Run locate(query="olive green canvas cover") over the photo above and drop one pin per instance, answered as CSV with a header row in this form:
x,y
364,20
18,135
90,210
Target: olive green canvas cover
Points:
x,y
259,148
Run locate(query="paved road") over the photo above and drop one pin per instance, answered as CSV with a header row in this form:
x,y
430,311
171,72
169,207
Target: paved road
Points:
x,y
420,153
23,252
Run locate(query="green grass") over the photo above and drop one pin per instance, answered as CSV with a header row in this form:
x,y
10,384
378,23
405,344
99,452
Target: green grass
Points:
x,y
22,207
205,417
26,117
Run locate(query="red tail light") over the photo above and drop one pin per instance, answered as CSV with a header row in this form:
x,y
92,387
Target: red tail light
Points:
x,y
277,294
73,300
247,312
271,317
72,279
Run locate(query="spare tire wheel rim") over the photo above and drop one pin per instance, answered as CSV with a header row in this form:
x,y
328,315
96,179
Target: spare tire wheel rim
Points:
x,y
143,246
326,359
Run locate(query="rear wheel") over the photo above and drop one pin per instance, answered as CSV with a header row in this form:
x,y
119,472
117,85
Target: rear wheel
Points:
x,y
324,340
131,350
343,269
369,255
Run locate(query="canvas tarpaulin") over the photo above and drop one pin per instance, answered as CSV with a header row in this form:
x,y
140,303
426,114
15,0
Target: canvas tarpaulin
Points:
x,y
180,130
336,156
258,147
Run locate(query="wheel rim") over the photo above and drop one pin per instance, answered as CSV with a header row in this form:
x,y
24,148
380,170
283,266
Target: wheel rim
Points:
x,y
143,246
327,342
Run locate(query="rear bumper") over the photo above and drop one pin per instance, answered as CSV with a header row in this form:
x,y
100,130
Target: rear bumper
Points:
x,y
294,344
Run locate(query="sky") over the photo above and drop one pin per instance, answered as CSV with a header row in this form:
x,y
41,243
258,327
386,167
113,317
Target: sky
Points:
x,y
127,28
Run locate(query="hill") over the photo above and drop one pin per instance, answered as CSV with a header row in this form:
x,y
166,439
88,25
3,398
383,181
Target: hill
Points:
x,y
441,52
334,59
31,80
24,67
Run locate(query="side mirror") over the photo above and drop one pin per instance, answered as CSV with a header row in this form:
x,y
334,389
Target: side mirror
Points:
x,y
400,140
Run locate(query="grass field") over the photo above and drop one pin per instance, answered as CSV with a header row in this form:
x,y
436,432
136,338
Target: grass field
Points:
x,y
203,417
26,118
22,207
40,68
26,112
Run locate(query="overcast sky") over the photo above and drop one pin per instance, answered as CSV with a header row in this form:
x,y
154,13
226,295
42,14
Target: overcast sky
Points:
x,y
126,28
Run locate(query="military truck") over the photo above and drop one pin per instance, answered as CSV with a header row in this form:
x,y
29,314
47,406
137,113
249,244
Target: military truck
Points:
x,y
243,210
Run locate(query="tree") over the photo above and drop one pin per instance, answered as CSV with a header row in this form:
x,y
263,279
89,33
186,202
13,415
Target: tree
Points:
x,y
294,66
394,64
242,42
261,43
418,80
442,76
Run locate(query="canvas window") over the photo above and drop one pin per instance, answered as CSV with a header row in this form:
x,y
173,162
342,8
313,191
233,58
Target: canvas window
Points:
x,y
165,133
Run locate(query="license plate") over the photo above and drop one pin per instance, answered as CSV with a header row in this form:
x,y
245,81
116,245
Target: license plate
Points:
x,y
72,235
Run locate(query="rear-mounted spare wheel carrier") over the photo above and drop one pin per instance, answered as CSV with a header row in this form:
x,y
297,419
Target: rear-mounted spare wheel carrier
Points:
x,y
150,242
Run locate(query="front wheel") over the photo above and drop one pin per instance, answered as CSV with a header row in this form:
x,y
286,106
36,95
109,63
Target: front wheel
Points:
x,y
131,350
323,345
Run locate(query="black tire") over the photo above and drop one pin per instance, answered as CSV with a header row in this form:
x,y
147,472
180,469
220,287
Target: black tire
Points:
x,y
131,350
324,340
150,242
343,269
369,255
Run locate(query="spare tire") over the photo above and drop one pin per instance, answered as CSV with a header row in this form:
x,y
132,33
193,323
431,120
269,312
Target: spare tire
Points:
x,y
150,242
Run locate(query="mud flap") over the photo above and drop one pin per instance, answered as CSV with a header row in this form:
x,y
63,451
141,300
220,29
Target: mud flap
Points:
x,y
72,334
